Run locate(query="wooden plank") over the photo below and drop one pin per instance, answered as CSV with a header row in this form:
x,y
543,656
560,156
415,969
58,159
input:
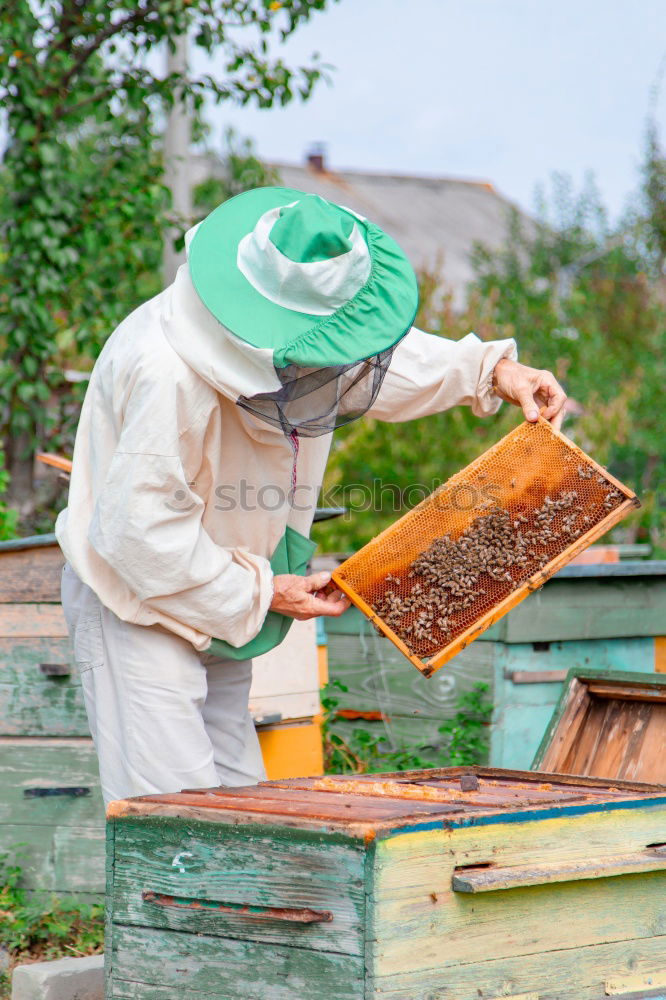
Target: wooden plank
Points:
x,y
620,729
560,741
198,811
634,692
491,795
505,776
60,859
417,922
650,981
31,575
646,760
147,960
568,974
216,865
590,731
52,708
289,707
578,655
419,858
48,764
141,991
33,702
589,609
493,879
28,620
536,676
630,566
507,788
312,807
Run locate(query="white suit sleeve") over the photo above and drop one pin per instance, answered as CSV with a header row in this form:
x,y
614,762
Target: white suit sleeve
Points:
x,y
429,374
147,525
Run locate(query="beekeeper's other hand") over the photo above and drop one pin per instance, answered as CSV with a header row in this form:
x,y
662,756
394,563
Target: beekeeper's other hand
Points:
x,y
530,388
301,597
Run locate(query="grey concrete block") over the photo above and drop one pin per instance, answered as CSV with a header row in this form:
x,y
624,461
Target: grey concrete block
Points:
x,y
65,979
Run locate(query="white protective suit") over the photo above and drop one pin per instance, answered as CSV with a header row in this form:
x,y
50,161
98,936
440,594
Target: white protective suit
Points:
x,y
179,497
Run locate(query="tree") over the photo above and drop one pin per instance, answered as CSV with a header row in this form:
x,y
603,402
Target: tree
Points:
x,y
578,296
654,202
80,100
242,170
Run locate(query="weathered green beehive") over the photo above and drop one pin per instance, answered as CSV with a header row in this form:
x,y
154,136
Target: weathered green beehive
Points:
x,y
457,884
51,810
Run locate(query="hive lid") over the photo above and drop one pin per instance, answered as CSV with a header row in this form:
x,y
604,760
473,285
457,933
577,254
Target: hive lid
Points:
x,y
608,724
30,542
367,805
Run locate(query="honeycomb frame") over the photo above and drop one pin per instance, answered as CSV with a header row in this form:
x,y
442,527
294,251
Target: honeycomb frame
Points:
x,y
528,465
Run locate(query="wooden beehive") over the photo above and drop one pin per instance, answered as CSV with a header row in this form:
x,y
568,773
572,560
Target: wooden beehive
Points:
x,y
454,884
478,545
51,809
608,724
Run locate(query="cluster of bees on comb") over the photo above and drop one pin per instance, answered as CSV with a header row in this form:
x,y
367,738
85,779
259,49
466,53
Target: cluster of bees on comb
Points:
x,y
430,603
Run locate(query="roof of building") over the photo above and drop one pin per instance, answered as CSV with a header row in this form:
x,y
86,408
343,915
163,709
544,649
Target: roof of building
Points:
x,y
437,221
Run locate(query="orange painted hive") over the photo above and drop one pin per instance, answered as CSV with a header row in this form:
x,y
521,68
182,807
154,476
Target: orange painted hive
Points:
x,y
478,545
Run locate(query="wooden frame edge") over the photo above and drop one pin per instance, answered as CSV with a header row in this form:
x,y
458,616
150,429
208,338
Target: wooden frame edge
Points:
x,y
583,677
378,622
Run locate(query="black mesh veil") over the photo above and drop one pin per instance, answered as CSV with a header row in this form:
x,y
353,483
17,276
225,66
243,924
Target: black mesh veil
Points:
x,y
314,401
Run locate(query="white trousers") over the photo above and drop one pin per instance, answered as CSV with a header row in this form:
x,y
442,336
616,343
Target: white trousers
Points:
x,y
163,717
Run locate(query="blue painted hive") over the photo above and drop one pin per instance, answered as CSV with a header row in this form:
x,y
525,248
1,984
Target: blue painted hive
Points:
x,y
454,884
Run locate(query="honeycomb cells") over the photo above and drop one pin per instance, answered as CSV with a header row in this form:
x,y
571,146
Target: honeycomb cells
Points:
x,y
490,530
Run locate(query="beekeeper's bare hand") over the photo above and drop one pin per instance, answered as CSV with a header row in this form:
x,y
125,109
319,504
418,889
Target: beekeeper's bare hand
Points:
x,y
530,388
302,597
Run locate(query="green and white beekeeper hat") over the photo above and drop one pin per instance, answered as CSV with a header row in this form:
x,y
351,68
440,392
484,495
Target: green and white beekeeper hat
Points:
x,y
320,290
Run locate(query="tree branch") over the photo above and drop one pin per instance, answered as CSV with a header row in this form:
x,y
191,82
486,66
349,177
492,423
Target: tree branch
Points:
x,y
62,109
98,40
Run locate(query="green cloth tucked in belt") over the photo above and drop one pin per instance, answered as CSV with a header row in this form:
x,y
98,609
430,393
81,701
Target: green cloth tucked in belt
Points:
x,y
292,555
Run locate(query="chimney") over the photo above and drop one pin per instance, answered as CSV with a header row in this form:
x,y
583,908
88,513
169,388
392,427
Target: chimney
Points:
x,y
316,157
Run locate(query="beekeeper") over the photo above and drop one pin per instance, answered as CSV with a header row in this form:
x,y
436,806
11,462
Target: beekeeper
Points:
x,y
199,456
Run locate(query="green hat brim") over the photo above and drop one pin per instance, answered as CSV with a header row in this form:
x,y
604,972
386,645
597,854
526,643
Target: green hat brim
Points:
x,y
375,319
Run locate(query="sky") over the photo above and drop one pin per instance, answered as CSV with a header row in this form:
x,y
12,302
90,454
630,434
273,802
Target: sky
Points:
x,y
501,90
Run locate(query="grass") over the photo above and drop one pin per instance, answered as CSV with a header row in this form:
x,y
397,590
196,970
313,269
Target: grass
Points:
x,y
36,928
464,738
